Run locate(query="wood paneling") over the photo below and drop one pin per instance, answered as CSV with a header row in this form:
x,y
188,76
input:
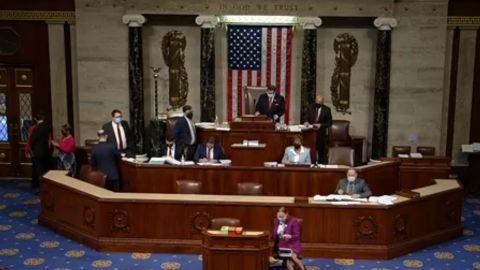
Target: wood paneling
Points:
x,y
452,99
275,141
289,181
46,5
463,8
34,53
475,114
385,178
128,222
236,252
419,172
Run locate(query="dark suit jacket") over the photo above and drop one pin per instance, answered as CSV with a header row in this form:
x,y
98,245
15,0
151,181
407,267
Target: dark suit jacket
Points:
x,y
178,151
40,143
106,158
359,187
201,152
130,150
325,116
181,131
278,105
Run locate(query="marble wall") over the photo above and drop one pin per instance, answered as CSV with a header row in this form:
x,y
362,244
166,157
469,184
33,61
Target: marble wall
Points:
x,y
417,72
418,59
463,106
362,80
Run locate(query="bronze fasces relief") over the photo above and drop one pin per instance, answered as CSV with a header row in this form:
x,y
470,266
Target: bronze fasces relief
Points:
x,y
346,52
173,49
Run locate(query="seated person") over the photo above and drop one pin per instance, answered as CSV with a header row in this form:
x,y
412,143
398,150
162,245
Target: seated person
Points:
x,y
286,234
170,149
208,151
297,153
354,186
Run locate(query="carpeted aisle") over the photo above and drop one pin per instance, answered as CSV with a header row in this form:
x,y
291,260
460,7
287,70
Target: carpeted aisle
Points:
x,y
26,245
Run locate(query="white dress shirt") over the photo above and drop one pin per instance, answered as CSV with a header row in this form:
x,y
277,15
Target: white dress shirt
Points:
x,y
121,136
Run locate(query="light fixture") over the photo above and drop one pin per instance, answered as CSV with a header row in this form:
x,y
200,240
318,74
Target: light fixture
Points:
x,y
258,19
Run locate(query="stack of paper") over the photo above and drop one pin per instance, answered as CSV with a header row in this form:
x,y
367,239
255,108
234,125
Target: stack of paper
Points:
x,y
385,199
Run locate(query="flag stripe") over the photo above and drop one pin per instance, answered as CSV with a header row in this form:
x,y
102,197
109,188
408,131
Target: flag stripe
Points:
x,y
229,95
239,92
264,58
269,54
288,73
279,62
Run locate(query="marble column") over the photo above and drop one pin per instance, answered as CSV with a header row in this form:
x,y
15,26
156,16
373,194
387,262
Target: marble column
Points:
x,y
135,78
56,44
382,86
207,67
309,63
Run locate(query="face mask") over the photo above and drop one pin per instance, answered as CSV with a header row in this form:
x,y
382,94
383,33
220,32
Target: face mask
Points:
x,y
282,219
318,105
297,145
351,178
189,114
118,120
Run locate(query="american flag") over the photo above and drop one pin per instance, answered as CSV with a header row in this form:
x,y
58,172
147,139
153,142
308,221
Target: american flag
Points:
x,y
258,56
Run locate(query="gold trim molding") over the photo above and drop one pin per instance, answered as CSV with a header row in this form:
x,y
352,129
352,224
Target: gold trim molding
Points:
x,y
34,15
463,21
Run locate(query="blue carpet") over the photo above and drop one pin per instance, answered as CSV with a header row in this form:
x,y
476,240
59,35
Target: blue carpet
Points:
x,y
26,245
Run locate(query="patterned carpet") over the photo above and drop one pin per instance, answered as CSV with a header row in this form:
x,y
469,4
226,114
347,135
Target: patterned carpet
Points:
x,y
26,245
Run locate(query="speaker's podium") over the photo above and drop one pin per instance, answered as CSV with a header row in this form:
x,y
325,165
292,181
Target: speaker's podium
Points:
x,y
249,250
252,122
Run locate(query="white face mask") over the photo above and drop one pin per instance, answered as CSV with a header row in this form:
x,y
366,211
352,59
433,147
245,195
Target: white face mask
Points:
x,y
351,178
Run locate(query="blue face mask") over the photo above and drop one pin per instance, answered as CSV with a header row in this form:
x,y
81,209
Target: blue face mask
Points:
x,y
118,120
282,219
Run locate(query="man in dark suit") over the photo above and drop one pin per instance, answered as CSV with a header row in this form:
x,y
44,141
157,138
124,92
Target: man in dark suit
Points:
x,y
320,116
41,149
171,149
270,104
106,158
208,151
184,132
354,186
119,134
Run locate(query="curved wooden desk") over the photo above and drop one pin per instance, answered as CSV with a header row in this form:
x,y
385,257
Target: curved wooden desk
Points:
x,y
288,181
106,220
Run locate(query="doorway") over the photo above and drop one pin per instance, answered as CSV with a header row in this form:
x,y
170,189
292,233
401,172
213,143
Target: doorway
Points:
x,y
16,117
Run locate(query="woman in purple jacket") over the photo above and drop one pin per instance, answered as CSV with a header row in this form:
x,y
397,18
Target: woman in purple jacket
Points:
x,y
286,233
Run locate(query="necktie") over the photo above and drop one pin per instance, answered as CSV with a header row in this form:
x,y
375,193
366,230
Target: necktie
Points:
x,y
210,153
350,188
120,141
318,115
270,101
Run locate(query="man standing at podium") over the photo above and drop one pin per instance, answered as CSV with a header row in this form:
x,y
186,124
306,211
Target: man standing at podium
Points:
x,y
320,116
270,104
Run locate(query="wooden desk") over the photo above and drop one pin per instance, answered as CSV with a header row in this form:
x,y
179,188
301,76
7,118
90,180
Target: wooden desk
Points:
x,y
106,220
419,172
235,252
474,172
289,181
275,142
